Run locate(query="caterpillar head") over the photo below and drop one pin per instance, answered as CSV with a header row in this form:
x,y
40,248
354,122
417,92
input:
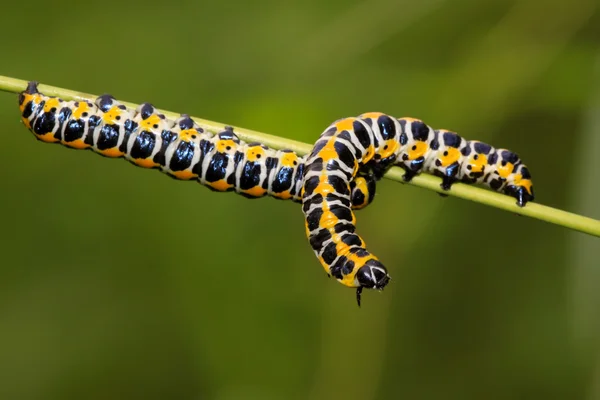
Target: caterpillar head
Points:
x,y
372,275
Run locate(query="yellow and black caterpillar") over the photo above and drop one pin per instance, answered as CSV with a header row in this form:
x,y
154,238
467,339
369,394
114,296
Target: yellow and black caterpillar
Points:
x,y
179,148
375,141
337,176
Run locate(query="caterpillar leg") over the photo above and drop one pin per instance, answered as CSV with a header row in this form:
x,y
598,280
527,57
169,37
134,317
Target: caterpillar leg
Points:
x,y
408,175
519,185
523,194
379,169
447,181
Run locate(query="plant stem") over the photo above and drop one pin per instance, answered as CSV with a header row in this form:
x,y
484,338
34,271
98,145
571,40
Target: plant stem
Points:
x,y
463,191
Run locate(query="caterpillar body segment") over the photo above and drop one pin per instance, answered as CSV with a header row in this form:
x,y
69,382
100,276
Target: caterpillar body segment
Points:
x,y
500,169
342,150
374,142
444,153
180,148
456,159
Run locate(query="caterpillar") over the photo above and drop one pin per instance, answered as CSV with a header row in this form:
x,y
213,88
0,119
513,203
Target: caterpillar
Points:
x,y
180,148
375,141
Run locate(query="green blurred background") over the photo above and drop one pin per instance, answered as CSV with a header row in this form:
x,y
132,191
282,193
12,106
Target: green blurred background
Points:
x,y
118,283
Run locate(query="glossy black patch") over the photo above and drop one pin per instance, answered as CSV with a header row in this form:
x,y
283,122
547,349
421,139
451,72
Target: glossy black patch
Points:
x,y
108,137
313,219
316,166
493,158
358,198
387,127
217,168
58,133
28,110
64,114
329,253
250,175
420,131
344,154
318,146
348,267
283,180
330,130
316,241
129,127
146,110
510,157
182,156
452,139
345,135
362,134
227,135
44,123
339,185
496,184
205,147
74,130
342,213
360,252
270,164
345,227
93,122
342,198
352,240
186,122
299,174
310,184
482,148
143,146
336,268
371,186
105,102
435,143
315,201
238,157
167,137
403,136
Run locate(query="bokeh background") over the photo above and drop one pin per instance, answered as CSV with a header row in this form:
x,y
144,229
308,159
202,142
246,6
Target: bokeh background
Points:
x,y
119,283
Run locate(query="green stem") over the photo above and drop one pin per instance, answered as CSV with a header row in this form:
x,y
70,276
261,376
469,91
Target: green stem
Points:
x,y
468,192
